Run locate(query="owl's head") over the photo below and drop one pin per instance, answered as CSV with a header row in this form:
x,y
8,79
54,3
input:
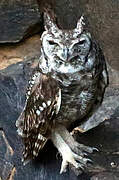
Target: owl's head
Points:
x,y
65,49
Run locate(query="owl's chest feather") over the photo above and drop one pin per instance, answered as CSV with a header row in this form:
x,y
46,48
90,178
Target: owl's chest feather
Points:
x,y
78,94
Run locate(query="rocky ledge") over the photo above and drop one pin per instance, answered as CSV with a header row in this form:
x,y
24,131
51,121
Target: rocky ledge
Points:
x,y
18,20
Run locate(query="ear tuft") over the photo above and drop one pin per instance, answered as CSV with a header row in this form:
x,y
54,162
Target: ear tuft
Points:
x,y
49,22
80,25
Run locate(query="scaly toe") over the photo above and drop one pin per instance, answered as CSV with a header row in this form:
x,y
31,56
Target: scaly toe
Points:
x,y
86,148
80,166
82,160
63,166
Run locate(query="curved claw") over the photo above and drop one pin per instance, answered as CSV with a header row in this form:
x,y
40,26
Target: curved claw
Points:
x,y
86,149
85,154
91,149
82,160
63,166
95,149
80,166
87,160
90,161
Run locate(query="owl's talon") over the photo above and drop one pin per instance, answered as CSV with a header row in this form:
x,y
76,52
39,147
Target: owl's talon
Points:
x,y
80,166
86,149
89,161
63,167
95,149
85,154
25,161
76,160
82,160
77,165
72,152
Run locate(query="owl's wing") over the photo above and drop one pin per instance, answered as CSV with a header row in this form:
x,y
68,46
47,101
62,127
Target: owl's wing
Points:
x,y
43,99
103,77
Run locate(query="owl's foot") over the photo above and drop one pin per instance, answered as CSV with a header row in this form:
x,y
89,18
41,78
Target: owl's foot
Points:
x,y
72,152
79,162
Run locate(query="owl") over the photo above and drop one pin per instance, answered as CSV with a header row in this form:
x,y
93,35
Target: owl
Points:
x,y
65,90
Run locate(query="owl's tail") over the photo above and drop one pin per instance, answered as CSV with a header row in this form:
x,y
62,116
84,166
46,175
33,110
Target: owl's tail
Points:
x,y
32,145
33,142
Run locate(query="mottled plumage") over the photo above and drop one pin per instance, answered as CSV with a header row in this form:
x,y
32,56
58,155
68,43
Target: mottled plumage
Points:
x,y
65,90
42,105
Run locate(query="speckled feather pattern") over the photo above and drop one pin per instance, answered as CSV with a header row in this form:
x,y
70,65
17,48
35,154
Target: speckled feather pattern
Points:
x,y
68,87
42,105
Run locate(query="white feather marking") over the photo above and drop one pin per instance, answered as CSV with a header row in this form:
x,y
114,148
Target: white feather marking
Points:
x,y
49,103
34,77
44,105
36,144
37,97
58,102
37,125
35,153
25,155
25,162
37,112
41,108
20,133
32,82
43,120
40,137
27,97
31,85
52,113
28,92
35,107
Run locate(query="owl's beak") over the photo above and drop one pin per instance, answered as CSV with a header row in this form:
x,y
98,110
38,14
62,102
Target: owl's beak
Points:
x,y
65,54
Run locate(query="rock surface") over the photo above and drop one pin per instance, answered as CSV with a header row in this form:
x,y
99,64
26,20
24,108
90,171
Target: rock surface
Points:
x,y
11,54
19,19
13,82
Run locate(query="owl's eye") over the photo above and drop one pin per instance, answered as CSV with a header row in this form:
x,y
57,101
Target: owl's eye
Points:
x,y
82,41
52,43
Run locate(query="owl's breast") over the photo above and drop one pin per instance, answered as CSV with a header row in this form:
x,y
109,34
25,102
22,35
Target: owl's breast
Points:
x,y
78,95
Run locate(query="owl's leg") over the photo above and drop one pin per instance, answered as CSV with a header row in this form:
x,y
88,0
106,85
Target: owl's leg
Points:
x,y
72,152
74,145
